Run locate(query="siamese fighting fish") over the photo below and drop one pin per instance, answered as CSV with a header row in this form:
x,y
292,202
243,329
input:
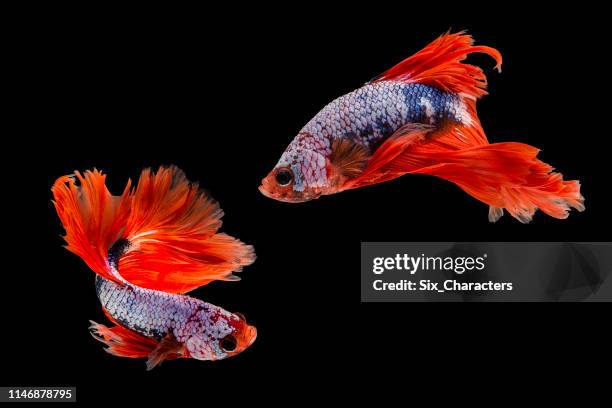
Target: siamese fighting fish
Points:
x,y
148,247
419,117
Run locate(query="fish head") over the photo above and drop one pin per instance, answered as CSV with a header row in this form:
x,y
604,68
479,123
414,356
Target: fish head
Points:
x,y
221,335
300,174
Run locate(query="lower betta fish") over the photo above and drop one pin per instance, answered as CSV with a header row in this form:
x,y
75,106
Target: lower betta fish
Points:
x,y
419,117
148,247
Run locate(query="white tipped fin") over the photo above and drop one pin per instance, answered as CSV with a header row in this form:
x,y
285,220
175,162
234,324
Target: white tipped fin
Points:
x,y
495,213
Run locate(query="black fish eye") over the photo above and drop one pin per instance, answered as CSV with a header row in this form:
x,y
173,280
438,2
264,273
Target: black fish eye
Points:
x,y
284,177
229,343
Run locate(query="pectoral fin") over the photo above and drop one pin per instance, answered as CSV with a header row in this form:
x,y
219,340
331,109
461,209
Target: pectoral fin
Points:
x,y
167,349
348,157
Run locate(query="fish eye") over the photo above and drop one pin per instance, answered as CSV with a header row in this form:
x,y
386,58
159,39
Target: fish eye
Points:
x,y
284,177
229,343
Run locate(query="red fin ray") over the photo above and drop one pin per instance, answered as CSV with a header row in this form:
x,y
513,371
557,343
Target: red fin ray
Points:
x,y
504,175
440,64
122,342
170,224
179,267
507,176
390,150
172,229
168,206
92,217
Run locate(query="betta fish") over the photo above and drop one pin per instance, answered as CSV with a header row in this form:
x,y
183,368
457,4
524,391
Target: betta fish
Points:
x,y
419,117
148,247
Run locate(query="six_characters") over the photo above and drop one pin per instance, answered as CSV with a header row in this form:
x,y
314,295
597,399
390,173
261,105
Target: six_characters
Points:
x,y
155,242
419,117
148,247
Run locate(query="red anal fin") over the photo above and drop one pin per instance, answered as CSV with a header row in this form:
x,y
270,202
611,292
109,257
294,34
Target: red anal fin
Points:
x,y
450,136
376,170
440,64
123,342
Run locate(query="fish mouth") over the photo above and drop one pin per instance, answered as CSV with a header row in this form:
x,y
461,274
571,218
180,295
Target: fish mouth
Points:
x,y
252,334
285,197
246,339
265,192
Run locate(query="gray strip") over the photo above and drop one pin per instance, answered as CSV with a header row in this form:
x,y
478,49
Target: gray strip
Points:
x,y
486,271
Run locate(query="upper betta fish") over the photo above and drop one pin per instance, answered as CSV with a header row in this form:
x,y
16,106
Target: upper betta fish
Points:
x,y
419,117
148,247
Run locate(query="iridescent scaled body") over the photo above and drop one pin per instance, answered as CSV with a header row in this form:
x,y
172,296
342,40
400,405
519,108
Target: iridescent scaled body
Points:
x,y
367,116
198,325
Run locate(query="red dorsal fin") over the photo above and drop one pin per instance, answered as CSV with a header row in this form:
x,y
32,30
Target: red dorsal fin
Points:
x,y
92,217
172,230
168,228
440,64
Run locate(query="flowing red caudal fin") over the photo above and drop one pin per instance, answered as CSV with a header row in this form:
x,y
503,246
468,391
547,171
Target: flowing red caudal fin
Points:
x,y
167,228
172,233
503,175
92,217
440,64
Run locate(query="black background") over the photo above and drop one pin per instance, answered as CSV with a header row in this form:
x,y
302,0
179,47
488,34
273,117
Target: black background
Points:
x,y
220,93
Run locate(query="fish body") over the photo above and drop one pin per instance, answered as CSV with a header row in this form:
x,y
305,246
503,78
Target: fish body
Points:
x,y
158,315
419,117
367,117
372,113
148,247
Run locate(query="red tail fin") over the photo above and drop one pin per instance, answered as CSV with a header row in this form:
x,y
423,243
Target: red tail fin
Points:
x,y
503,175
439,64
170,227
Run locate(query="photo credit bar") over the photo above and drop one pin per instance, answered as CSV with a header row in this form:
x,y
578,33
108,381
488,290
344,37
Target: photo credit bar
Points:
x,y
485,271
